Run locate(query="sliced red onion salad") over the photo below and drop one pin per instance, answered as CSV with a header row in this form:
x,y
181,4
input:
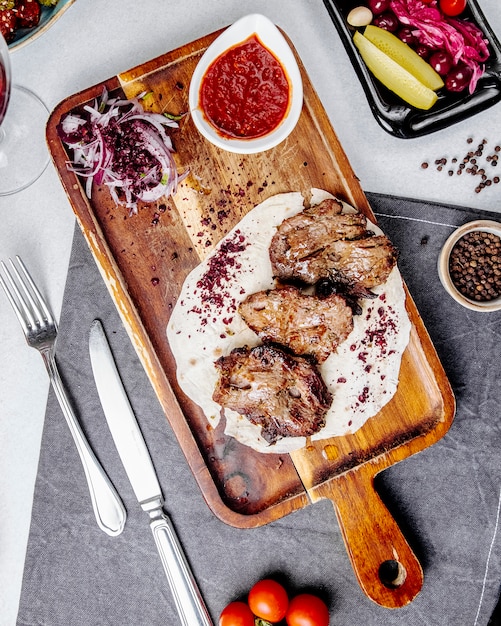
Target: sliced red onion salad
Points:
x,y
462,39
119,144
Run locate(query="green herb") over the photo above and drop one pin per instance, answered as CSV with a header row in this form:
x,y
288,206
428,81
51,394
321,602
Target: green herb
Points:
x,y
7,5
172,116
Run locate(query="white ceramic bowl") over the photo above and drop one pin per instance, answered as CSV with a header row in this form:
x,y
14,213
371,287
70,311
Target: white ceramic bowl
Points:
x,y
443,265
274,41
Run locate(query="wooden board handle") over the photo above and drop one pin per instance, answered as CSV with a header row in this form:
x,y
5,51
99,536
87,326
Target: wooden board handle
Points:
x,y
386,567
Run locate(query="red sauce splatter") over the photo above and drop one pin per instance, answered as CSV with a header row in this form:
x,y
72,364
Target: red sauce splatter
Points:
x,y
245,92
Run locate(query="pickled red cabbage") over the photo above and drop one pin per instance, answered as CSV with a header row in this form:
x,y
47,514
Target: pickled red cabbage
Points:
x,y
462,39
118,144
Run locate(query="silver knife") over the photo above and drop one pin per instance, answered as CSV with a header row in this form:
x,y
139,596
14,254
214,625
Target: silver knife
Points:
x,y
139,468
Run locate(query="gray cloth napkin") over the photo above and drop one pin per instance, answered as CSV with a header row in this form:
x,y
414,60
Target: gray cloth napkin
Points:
x,y
445,498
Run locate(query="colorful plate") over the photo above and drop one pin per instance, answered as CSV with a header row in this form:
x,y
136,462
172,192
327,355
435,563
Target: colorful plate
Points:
x,y
48,17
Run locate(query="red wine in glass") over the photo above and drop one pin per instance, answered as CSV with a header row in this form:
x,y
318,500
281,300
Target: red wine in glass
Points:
x,y
23,116
4,85
4,97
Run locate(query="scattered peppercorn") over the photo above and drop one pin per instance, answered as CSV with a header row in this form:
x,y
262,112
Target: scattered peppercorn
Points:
x,y
475,266
473,162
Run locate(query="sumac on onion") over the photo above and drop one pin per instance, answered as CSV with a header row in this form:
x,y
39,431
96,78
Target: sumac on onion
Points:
x,y
118,144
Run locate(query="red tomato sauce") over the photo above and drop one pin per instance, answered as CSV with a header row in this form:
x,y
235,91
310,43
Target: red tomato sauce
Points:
x,y
245,92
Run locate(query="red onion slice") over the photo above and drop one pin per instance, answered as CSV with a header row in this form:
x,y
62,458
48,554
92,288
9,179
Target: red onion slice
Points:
x,y
117,143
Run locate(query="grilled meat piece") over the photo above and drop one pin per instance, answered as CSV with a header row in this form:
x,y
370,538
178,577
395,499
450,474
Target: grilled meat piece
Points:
x,y
320,242
351,292
282,393
367,262
306,324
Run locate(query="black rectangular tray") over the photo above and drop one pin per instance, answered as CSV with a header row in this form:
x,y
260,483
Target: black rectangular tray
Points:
x,y
402,120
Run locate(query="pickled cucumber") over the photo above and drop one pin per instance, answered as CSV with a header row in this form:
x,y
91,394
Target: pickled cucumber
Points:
x,y
404,55
393,76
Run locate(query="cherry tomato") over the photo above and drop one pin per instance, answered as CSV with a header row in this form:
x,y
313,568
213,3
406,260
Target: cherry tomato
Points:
x,y
268,600
452,7
307,610
236,614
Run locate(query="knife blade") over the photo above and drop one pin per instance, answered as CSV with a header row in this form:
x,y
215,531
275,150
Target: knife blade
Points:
x,y
139,468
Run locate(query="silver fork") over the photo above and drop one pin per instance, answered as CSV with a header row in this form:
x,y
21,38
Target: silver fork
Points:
x,y
40,329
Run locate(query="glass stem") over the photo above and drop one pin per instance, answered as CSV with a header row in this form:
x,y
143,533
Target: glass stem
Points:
x,y
3,156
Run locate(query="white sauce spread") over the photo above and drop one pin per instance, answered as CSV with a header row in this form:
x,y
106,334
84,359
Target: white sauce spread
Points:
x,y
362,375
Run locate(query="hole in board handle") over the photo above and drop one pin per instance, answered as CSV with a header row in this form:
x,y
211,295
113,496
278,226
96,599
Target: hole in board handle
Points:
x,y
392,574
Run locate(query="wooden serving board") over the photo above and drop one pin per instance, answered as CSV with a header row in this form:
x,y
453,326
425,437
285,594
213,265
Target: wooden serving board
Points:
x,y
144,260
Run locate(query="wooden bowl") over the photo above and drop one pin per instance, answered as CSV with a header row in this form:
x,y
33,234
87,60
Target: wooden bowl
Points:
x,y
443,265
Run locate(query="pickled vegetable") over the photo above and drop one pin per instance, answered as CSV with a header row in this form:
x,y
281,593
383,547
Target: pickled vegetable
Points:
x,y
379,6
405,56
387,21
394,76
441,62
359,16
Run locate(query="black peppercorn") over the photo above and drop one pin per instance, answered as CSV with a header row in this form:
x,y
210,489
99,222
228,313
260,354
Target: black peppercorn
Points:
x,y
473,162
475,266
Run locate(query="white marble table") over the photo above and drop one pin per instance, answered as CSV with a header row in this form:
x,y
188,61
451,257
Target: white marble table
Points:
x,y
94,41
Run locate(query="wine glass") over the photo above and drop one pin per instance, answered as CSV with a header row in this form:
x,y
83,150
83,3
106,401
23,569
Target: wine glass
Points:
x,y
23,116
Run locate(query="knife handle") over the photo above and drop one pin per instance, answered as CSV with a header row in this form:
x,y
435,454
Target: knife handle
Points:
x,y
189,602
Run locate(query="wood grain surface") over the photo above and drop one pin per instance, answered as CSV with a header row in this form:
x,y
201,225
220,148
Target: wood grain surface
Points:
x,y
144,260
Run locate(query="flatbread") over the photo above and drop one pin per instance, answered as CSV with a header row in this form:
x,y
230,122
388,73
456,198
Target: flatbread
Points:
x,y
204,325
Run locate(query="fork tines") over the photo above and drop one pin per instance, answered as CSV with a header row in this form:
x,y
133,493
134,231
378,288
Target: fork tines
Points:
x,y
26,300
